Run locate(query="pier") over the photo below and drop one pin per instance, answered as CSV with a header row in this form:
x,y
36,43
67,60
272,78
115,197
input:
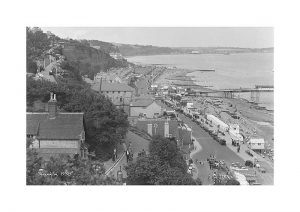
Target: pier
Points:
x,y
230,93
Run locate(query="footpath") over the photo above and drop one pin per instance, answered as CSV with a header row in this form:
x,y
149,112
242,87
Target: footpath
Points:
x,y
136,144
45,74
263,178
201,170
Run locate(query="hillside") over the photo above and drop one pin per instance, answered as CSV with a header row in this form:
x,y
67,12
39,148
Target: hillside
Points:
x,y
104,46
88,60
134,50
76,57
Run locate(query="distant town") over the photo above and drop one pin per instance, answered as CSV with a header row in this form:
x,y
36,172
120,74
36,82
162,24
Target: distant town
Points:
x,y
93,118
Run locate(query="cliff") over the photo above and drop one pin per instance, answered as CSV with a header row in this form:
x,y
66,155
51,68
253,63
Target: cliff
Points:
x,y
89,60
133,50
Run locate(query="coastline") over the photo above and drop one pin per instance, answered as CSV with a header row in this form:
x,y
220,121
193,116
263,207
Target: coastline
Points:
x,y
260,121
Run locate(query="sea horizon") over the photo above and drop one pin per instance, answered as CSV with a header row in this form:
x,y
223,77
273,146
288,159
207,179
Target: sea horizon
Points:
x,y
230,71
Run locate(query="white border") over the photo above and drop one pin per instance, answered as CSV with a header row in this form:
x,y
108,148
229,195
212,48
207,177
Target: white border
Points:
x,y
18,14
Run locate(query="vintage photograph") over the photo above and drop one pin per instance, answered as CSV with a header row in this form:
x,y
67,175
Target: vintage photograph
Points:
x,y
149,106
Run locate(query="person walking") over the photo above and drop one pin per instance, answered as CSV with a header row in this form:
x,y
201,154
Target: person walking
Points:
x,y
115,153
127,155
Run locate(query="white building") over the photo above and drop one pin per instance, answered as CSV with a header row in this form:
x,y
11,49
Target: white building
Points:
x,y
217,122
256,144
234,132
145,107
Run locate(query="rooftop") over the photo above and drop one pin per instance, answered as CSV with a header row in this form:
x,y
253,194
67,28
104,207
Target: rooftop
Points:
x,y
142,103
114,86
63,126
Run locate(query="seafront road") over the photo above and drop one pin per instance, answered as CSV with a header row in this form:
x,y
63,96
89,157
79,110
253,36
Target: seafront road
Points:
x,y
208,147
227,153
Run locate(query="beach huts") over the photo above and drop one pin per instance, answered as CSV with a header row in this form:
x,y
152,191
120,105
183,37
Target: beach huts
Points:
x,y
257,144
234,133
217,122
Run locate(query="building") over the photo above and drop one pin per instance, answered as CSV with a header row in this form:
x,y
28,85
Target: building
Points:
x,y
184,136
161,126
145,107
54,133
116,55
108,77
256,144
119,93
234,132
217,122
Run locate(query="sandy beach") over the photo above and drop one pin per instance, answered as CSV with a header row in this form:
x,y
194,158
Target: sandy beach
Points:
x,y
258,122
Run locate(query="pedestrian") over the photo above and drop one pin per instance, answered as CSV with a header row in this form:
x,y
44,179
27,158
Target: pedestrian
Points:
x,y
115,153
127,155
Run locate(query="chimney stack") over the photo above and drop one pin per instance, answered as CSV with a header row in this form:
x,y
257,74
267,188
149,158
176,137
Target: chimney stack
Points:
x,y
52,107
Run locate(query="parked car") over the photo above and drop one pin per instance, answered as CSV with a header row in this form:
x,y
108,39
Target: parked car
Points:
x,y
222,141
249,163
262,170
249,153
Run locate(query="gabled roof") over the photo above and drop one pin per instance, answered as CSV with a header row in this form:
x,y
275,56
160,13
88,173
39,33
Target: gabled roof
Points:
x,y
32,122
114,86
142,103
256,140
64,126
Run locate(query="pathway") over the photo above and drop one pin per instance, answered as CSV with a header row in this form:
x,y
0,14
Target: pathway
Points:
x,y
137,144
45,73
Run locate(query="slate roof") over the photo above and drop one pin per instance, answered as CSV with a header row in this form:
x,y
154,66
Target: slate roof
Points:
x,y
114,86
32,122
65,126
142,103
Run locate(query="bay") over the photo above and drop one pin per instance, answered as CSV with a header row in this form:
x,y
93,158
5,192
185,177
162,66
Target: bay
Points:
x,y
231,71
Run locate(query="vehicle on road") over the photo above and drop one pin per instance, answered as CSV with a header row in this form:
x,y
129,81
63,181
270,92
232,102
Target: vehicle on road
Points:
x,y
262,170
222,141
249,153
249,163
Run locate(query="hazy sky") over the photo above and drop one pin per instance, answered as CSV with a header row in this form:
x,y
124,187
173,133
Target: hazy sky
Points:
x,y
253,37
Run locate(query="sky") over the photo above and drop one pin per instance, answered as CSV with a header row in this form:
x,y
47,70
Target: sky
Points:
x,y
249,37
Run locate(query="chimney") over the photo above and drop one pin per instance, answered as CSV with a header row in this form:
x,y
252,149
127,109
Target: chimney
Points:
x,y
52,108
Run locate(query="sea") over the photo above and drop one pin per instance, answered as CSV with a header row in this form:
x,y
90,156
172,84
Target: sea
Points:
x,y
244,70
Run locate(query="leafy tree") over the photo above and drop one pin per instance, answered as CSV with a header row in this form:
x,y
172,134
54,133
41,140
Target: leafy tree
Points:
x,y
144,171
31,66
36,44
65,170
232,182
164,166
167,151
105,125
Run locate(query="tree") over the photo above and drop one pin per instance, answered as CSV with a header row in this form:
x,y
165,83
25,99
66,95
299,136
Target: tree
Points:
x,y
105,125
164,166
232,182
65,170
37,43
31,66
167,151
144,171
